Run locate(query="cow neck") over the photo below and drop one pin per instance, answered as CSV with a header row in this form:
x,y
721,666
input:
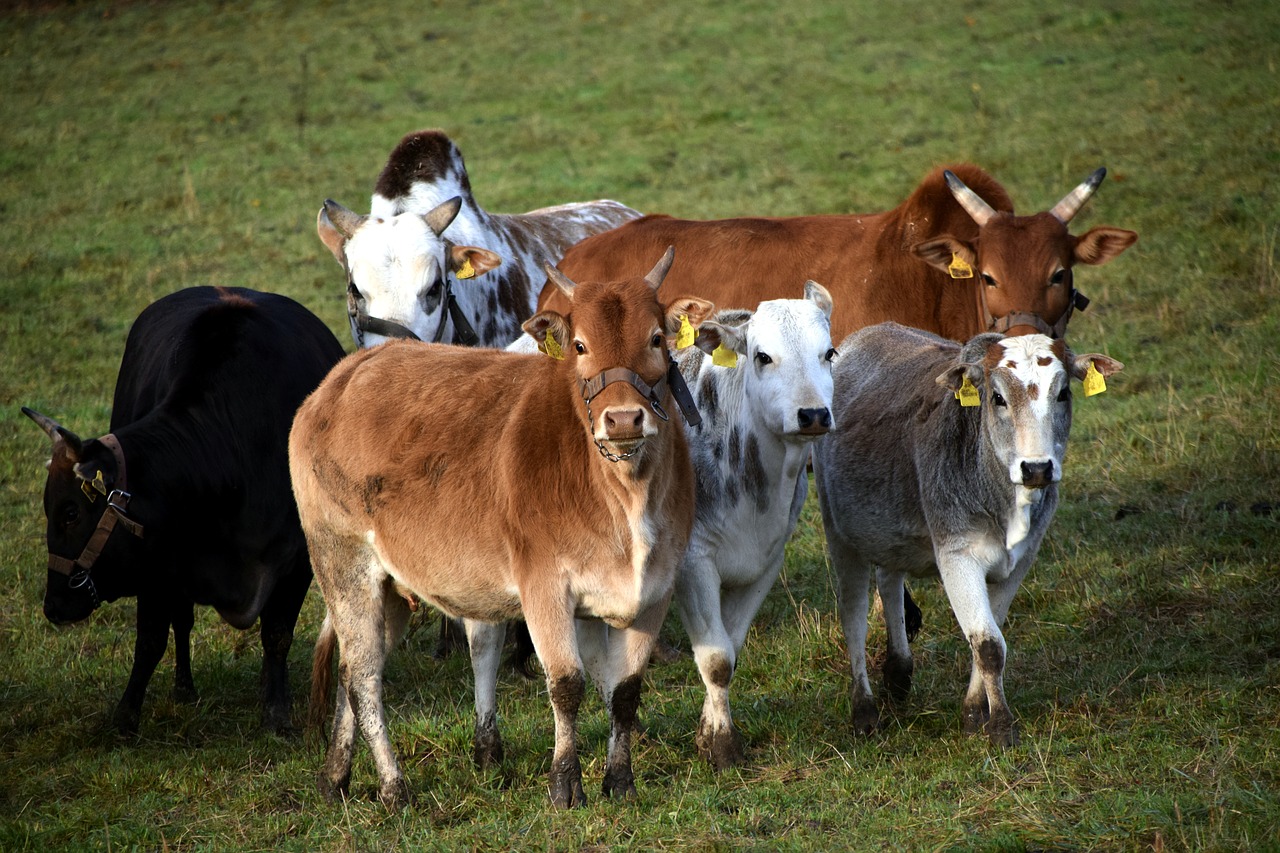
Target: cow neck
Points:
x,y
115,513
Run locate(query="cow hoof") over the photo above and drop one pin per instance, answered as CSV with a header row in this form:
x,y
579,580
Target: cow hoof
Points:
x,y
185,694
620,784
866,716
566,784
976,716
897,678
278,721
487,749
394,794
126,720
722,748
333,792
1002,731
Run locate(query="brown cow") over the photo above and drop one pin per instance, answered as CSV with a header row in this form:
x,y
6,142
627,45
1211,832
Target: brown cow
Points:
x,y
497,485
881,266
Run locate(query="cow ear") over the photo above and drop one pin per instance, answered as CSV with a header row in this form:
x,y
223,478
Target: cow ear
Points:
x,y
1078,365
692,307
820,296
332,238
469,261
552,323
1102,244
955,375
712,334
943,251
97,465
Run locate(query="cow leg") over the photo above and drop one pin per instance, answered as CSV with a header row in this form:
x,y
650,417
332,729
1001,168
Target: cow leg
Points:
x,y
358,603
276,622
898,665
984,702
485,640
628,652
154,618
550,619
853,597
701,613
184,686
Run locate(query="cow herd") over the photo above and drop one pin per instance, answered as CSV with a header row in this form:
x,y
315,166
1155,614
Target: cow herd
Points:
x,y
646,439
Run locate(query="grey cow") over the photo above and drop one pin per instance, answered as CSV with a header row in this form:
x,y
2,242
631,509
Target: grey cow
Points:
x,y
913,481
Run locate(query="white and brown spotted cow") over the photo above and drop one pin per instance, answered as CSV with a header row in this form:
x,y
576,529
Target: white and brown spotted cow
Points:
x,y
750,454
911,481
499,486
429,262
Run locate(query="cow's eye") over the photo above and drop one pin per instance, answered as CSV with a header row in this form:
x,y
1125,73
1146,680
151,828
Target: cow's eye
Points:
x,y
831,354
70,515
762,358
580,347
1065,394
988,280
997,399
1058,278
657,341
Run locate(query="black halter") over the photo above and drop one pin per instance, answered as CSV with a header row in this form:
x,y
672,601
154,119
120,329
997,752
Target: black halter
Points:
x,y
463,333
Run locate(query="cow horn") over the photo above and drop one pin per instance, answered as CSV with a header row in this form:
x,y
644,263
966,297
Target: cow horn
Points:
x,y
442,215
561,280
660,269
346,221
1074,200
973,204
56,431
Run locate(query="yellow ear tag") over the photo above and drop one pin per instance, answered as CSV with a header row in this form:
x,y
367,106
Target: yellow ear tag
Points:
x,y
722,357
1093,381
88,491
467,271
968,395
959,268
684,338
553,347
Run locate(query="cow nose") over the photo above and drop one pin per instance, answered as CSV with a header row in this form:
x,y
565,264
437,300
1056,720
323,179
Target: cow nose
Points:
x,y
624,423
1037,475
814,421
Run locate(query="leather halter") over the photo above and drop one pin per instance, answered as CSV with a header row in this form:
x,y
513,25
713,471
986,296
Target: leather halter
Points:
x,y
672,380
1075,299
116,512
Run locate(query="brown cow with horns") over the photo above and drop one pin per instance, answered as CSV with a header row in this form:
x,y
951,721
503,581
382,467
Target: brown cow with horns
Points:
x,y
1012,273
502,485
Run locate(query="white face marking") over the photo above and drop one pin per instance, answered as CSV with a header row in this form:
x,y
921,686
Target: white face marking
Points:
x,y
794,338
1039,424
395,263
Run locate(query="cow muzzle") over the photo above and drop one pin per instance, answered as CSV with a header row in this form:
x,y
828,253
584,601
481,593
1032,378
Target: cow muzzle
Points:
x,y
813,422
1038,474
625,428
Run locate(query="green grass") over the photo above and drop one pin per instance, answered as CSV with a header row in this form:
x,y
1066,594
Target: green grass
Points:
x,y
150,146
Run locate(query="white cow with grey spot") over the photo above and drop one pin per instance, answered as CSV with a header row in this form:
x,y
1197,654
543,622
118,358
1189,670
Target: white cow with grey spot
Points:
x,y
912,482
750,456
428,262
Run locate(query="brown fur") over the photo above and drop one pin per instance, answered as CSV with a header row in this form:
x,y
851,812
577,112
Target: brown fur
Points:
x,y
879,266
492,501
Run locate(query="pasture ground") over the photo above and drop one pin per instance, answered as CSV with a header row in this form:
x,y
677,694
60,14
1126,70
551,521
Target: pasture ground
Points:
x,y
149,146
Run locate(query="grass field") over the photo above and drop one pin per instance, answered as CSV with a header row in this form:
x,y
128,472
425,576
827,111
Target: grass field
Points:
x,y
150,146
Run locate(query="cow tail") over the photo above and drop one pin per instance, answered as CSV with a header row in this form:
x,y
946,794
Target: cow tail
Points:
x,y
322,675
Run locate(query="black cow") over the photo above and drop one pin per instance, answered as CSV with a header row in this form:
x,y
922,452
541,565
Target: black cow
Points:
x,y
208,387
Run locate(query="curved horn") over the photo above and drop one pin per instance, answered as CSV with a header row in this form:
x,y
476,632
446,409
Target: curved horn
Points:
x,y
661,268
57,432
968,199
442,215
346,221
561,280
1074,200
